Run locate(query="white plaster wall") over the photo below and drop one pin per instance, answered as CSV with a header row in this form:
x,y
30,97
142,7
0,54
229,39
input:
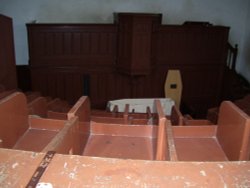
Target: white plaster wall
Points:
x,y
232,13
244,67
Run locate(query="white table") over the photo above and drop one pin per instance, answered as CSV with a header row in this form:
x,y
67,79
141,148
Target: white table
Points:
x,y
140,105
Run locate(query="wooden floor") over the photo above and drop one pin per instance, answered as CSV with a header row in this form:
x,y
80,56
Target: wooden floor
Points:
x,y
124,147
199,149
35,139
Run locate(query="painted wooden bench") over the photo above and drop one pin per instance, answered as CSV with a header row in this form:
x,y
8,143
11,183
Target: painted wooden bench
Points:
x,y
20,131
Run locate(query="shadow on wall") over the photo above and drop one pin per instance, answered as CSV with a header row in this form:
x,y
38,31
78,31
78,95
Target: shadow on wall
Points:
x,y
245,67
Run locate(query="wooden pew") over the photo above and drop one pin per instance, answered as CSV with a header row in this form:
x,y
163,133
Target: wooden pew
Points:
x,y
6,93
228,140
20,131
49,108
146,142
126,117
41,107
58,105
121,140
38,107
243,104
67,141
31,95
81,109
177,118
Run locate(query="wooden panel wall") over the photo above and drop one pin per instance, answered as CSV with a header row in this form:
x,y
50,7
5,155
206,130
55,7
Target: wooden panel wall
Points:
x,y
63,45
199,52
7,54
70,60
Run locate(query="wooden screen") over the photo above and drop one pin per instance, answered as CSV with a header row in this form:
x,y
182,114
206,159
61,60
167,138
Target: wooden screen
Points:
x,y
69,60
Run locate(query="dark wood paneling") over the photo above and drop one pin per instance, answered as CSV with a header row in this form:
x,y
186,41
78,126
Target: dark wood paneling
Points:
x,y
56,83
199,52
135,32
69,60
190,45
108,86
72,45
23,77
8,76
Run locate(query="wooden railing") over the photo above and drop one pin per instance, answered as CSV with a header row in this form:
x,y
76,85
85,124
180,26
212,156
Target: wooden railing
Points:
x,y
232,56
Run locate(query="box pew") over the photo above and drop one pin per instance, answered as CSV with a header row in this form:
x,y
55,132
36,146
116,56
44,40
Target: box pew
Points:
x,y
147,142
58,105
67,141
125,117
6,93
177,118
31,95
40,107
81,109
244,104
228,140
20,131
48,108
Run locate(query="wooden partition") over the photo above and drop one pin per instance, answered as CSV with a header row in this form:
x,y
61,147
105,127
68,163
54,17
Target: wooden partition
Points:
x,y
68,140
228,140
121,140
201,155
14,119
30,133
101,60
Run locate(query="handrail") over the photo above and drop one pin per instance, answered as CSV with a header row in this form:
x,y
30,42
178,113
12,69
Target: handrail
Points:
x,y
232,56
